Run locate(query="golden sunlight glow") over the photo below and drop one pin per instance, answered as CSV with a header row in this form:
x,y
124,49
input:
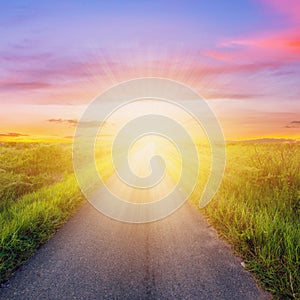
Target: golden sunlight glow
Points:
x,y
144,149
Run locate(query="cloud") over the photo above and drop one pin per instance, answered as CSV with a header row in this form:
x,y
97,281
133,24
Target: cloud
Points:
x,y
274,49
239,68
281,45
238,96
12,134
23,86
291,11
74,122
74,80
71,122
56,68
293,124
64,80
18,55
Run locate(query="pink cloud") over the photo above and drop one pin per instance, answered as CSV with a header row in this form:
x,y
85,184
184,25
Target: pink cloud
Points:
x,y
289,8
23,86
278,44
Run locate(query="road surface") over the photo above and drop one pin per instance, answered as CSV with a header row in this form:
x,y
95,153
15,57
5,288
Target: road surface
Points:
x,y
94,257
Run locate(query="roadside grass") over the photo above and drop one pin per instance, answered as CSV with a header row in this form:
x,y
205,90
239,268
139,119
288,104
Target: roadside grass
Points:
x,y
25,168
257,209
32,220
37,194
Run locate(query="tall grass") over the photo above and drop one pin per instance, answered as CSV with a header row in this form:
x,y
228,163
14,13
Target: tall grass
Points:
x,y
25,168
37,195
257,209
32,220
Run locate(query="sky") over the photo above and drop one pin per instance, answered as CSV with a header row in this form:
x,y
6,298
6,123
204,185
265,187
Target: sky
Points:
x,y
243,57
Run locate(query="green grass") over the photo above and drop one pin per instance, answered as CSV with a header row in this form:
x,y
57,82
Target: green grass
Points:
x,y
33,220
37,195
25,168
257,209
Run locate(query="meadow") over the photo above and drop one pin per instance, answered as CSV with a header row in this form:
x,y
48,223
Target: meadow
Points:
x,y
38,192
257,208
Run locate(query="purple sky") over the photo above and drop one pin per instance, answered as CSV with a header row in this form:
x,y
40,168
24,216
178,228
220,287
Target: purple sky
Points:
x,y
242,56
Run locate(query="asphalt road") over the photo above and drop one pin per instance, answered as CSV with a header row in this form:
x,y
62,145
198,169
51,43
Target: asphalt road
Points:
x,y
94,257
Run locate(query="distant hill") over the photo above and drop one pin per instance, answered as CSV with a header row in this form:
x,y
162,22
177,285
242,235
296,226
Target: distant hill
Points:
x,y
267,140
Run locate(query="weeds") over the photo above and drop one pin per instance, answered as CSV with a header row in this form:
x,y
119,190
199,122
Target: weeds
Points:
x,y
36,196
257,210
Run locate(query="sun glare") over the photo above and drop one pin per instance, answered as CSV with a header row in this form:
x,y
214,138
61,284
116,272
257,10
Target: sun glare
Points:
x,y
148,155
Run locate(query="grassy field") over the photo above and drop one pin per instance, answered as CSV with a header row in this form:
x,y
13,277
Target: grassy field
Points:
x,y
25,168
257,208
38,192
